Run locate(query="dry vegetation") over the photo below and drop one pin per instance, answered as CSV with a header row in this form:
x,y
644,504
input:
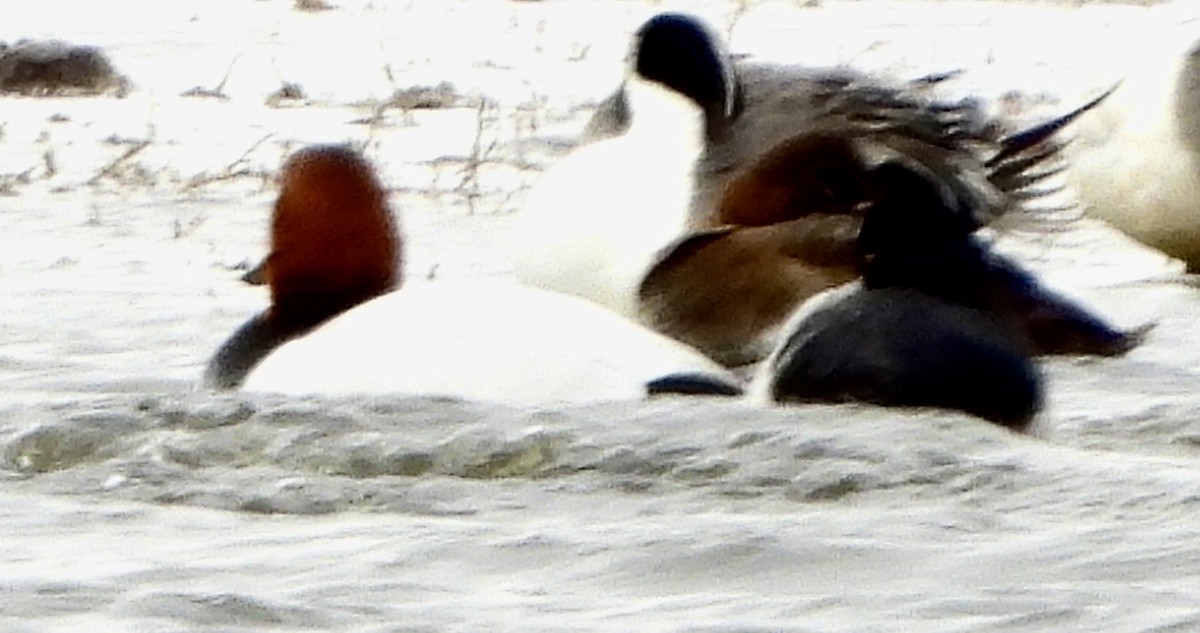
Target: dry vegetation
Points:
x,y
289,93
53,68
216,92
506,137
313,5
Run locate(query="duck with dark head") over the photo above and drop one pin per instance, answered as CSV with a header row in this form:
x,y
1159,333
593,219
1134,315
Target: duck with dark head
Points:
x,y
916,331
775,194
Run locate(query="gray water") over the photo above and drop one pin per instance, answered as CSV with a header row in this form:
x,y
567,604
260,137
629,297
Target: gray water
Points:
x,y
132,501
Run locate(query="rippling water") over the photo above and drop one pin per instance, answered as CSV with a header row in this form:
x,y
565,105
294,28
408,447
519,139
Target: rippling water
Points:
x,y
129,501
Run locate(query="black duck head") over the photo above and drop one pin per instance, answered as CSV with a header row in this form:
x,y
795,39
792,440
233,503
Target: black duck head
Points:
x,y
785,140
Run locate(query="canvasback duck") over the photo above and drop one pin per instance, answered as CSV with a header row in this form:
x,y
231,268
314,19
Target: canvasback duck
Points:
x,y
772,202
338,325
1136,162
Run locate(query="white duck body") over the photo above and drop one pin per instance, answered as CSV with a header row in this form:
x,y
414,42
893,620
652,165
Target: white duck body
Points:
x,y
599,219
1134,161
485,341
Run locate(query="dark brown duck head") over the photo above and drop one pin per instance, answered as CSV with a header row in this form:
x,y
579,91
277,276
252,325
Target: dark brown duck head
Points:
x,y
684,55
786,140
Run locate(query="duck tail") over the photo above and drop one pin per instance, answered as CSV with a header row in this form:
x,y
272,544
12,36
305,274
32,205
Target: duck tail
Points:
x,y
1013,146
999,175
1027,168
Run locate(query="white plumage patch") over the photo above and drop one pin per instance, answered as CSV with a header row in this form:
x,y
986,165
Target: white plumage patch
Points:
x,y
598,220
1130,162
486,341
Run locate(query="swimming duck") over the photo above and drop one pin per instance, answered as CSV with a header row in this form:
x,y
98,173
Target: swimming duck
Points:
x,y
773,197
915,330
339,325
1136,162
